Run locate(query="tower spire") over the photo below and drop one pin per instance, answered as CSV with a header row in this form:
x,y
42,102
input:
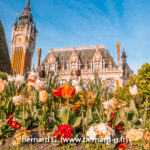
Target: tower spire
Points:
x,y
28,5
123,54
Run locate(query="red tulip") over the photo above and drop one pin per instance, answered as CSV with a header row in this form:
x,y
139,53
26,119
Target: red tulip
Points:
x,y
112,115
57,92
122,146
31,80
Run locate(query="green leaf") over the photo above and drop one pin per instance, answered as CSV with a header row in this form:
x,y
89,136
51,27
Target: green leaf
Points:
x,y
77,122
133,107
109,114
139,143
117,118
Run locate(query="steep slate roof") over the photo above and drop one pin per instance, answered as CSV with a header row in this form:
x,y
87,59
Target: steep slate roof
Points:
x,y
81,52
5,65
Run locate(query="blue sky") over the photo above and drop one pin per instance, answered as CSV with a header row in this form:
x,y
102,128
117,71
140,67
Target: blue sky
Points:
x,y
68,23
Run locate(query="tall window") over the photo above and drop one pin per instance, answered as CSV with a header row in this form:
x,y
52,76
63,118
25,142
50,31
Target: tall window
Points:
x,y
97,64
74,65
52,67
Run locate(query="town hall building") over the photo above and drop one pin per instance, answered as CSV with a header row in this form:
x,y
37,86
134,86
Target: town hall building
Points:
x,y
84,62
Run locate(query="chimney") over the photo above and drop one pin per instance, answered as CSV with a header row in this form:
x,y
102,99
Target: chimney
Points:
x,y
118,51
39,57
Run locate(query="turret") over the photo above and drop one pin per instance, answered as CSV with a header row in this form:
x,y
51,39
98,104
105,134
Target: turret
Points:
x,y
124,57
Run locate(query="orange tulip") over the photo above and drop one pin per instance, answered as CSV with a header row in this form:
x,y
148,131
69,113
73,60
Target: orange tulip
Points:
x,y
64,91
67,92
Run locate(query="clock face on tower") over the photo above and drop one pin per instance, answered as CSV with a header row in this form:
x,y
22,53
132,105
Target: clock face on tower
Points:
x,y
19,39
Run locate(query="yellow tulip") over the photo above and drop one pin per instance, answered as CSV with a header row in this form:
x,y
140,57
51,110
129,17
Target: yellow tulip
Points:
x,y
43,96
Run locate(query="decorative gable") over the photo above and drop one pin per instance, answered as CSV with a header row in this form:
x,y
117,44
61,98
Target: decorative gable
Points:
x,y
97,56
51,59
74,57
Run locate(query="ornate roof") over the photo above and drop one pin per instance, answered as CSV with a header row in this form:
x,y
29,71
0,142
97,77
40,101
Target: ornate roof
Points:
x,y
27,12
84,54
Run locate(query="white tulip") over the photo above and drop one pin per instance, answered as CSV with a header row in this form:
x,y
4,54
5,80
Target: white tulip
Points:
x,y
11,78
19,80
108,104
18,100
133,90
91,133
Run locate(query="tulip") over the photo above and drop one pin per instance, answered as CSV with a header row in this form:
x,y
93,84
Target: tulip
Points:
x,y
18,100
2,86
78,72
42,73
122,146
64,91
57,92
133,90
67,92
31,80
43,96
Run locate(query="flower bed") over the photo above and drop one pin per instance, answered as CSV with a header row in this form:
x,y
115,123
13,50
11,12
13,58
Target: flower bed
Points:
x,y
73,115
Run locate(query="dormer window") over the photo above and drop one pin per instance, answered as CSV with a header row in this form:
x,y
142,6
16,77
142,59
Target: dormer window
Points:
x,y
51,62
74,65
97,60
97,64
74,61
52,67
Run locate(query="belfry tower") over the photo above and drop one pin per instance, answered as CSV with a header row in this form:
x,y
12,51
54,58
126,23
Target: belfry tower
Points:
x,y
23,41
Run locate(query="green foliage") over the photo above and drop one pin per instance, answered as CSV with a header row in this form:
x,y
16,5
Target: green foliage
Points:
x,y
142,80
66,116
3,76
130,116
123,93
4,131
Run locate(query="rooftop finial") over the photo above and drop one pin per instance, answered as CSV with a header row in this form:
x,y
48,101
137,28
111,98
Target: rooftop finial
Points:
x,y
97,47
51,50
